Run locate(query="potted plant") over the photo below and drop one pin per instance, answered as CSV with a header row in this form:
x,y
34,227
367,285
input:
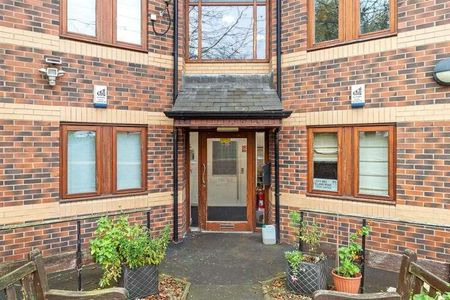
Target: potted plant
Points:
x,y
306,270
347,276
128,254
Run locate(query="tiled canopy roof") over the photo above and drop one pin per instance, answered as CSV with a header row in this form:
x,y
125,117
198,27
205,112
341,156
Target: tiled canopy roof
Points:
x,y
227,96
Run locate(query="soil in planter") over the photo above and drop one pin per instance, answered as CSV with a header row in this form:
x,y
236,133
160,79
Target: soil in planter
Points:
x,y
169,289
276,289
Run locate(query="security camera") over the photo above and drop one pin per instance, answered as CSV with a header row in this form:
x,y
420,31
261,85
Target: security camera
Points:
x,y
52,74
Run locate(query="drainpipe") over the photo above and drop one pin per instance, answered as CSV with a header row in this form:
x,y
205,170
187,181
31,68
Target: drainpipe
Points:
x,y
175,185
175,131
175,50
277,182
278,47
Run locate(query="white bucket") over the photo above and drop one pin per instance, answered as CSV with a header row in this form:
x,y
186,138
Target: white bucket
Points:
x,y
269,235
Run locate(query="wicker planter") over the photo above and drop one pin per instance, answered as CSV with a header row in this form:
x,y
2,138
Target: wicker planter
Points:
x,y
311,277
347,284
141,282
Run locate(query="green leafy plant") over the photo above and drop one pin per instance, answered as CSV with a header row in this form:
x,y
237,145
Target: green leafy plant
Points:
x,y
424,296
294,258
310,234
349,255
119,243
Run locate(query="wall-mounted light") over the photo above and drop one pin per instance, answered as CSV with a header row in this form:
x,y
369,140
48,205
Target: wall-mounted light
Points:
x,y
162,13
442,72
52,72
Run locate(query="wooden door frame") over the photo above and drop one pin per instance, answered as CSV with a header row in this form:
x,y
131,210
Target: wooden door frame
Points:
x,y
251,182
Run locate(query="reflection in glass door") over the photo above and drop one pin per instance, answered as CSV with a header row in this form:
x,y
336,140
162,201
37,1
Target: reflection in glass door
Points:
x,y
226,170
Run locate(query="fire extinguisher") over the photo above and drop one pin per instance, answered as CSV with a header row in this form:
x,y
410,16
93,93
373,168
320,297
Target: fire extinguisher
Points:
x,y
260,199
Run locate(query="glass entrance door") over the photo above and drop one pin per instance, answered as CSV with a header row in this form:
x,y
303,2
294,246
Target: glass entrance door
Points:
x,y
225,179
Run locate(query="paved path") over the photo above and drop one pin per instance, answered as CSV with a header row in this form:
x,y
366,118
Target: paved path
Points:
x,y
224,266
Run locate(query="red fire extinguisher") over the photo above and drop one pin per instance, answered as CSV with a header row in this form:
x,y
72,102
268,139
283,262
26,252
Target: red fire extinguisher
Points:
x,y
260,199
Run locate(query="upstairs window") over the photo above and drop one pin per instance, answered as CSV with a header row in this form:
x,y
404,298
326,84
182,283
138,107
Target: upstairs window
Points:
x,y
229,30
121,23
338,21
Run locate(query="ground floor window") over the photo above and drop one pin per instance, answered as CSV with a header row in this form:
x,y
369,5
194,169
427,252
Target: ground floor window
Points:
x,y
352,161
101,160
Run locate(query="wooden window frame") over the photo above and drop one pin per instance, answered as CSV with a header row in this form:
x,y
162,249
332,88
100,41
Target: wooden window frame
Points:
x,y
348,163
142,132
254,4
349,25
106,162
106,26
64,163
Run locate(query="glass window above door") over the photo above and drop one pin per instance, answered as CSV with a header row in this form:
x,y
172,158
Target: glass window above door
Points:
x,y
230,30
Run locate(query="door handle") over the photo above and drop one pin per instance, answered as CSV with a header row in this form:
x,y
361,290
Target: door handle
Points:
x,y
203,175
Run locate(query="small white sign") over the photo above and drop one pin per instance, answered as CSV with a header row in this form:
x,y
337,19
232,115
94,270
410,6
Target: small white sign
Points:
x,y
100,96
358,95
329,185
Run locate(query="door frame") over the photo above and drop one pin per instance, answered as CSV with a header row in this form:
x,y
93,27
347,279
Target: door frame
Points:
x,y
251,183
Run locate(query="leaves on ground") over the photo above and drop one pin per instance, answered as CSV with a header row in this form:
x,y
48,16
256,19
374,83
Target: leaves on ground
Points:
x,y
276,289
169,289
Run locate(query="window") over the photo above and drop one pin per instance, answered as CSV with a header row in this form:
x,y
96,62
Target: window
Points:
x,y
122,24
227,30
355,162
224,158
102,160
338,21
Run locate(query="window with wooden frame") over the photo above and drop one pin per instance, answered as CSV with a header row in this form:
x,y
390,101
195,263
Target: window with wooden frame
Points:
x,y
120,23
352,162
332,22
228,30
98,160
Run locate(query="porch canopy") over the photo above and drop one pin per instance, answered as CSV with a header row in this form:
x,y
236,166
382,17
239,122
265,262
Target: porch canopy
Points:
x,y
227,100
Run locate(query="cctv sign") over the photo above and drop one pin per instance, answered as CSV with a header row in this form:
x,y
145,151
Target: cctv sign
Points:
x,y
358,95
100,96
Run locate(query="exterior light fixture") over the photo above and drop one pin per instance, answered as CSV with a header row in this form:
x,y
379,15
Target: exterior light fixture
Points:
x,y
161,14
52,72
442,72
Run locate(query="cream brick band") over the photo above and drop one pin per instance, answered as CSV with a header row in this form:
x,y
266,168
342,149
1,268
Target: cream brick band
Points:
x,y
405,213
10,111
432,112
33,39
406,39
57,210
227,68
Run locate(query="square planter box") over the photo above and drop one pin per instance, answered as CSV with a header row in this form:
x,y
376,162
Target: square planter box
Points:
x,y
311,277
141,282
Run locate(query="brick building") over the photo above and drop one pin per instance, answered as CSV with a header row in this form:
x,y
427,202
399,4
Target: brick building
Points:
x,y
194,120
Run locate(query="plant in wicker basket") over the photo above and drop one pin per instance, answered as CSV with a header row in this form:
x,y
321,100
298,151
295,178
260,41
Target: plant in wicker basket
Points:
x,y
128,255
306,271
347,275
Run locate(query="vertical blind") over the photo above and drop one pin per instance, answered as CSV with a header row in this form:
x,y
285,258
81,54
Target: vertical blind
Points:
x,y
81,162
129,163
373,163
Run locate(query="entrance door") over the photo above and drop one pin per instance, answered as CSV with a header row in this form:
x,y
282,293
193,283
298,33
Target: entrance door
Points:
x,y
226,184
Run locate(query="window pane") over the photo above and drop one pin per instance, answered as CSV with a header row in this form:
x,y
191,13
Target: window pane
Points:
x,y
129,165
261,32
374,15
129,21
193,32
326,16
227,32
224,158
81,16
325,160
373,163
81,162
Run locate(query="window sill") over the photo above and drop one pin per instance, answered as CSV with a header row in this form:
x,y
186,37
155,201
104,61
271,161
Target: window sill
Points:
x,y
227,61
374,200
89,40
81,199
365,38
